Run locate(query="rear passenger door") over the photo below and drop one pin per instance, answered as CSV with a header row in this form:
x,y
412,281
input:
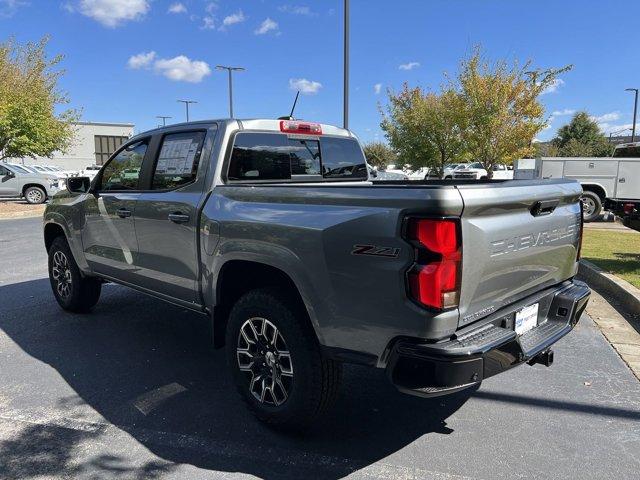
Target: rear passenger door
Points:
x,y
167,213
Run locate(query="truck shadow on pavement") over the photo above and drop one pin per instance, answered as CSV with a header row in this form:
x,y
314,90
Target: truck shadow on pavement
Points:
x,y
148,369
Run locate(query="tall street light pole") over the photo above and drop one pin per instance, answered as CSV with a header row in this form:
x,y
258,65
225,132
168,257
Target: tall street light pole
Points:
x,y
164,119
635,110
186,104
345,112
230,70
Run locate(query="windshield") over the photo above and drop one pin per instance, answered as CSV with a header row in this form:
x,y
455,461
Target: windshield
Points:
x,y
19,168
475,165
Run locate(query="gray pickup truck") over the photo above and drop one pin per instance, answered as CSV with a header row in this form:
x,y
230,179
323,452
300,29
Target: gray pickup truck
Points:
x,y
274,231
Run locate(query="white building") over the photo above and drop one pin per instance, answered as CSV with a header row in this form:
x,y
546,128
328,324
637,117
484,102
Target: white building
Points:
x,y
93,144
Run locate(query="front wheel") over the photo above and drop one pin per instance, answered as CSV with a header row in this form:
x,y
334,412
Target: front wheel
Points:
x,y
591,206
276,361
35,195
73,292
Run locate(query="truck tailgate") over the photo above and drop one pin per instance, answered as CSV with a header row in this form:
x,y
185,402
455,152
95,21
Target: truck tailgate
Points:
x,y
518,237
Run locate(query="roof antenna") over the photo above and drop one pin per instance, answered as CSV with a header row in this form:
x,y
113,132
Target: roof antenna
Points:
x,y
295,102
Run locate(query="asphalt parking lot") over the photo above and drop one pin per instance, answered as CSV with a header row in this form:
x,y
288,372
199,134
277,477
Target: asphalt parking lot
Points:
x,y
133,391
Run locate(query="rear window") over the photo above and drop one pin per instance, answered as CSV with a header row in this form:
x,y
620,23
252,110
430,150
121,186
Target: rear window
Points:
x,y
627,152
273,156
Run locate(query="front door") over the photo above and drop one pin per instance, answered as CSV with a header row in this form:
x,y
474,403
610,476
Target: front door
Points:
x,y
108,236
9,185
167,217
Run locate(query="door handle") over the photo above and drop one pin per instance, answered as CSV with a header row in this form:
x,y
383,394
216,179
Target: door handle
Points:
x,y
178,217
123,213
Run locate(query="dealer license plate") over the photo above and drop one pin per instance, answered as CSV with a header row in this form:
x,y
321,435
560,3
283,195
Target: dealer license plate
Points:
x,y
526,319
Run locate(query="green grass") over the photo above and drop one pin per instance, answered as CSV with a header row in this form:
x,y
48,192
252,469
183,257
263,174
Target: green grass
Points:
x,y
616,252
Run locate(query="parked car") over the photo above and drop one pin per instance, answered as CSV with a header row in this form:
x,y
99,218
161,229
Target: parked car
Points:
x,y
90,171
421,173
450,168
273,231
475,171
17,181
627,210
602,178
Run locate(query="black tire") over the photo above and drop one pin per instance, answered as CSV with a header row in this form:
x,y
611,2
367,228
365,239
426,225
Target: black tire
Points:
x,y
448,177
591,206
35,195
313,384
74,292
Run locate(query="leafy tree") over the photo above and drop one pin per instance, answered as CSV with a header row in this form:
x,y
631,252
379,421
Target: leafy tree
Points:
x,y
403,125
380,154
501,108
581,138
29,97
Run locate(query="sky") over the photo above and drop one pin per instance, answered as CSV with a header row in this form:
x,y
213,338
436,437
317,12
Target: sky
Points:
x,y
128,61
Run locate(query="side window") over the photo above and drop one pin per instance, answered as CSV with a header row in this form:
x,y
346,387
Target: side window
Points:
x,y
3,171
342,158
305,156
123,171
259,156
178,160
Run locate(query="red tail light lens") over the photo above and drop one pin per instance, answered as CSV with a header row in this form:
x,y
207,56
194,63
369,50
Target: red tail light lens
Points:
x,y
628,208
434,280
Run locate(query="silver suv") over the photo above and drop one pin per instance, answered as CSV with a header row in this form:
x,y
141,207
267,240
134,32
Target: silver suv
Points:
x,y
17,181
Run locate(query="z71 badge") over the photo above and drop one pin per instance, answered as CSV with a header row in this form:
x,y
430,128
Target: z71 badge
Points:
x,y
375,251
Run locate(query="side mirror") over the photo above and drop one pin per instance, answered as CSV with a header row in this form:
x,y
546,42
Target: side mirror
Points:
x,y
78,184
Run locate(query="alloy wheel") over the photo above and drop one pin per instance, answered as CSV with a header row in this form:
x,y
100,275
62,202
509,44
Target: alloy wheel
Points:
x,y
264,358
61,273
588,206
34,195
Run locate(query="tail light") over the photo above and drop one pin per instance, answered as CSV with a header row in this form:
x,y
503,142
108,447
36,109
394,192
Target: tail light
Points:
x,y
628,208
434,279
293,126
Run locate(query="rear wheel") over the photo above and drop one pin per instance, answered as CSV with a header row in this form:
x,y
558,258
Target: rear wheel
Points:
x,y
35,195
276,361
73,292
591,205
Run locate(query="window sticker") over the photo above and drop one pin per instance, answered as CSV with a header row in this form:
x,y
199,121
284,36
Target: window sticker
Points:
x,y
177,157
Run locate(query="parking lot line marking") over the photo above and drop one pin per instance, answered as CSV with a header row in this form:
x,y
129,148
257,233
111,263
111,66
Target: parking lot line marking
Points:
x,y
149,401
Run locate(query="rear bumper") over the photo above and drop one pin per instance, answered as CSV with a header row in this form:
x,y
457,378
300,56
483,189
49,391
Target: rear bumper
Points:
x,y
432,369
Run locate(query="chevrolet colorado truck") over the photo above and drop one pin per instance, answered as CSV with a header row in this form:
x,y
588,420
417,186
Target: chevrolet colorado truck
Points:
x,y
273,230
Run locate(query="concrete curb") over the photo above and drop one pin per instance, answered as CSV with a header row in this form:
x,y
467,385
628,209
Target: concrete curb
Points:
x,y
620,289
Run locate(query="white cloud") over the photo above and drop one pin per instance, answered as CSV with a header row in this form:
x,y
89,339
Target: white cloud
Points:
x,y
562,113
267,26
232,19
178,69
208,23
409,66
182,69
177,8
297,10
112,13
9,7
141,60
307,87
553,86
377,88
607,117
